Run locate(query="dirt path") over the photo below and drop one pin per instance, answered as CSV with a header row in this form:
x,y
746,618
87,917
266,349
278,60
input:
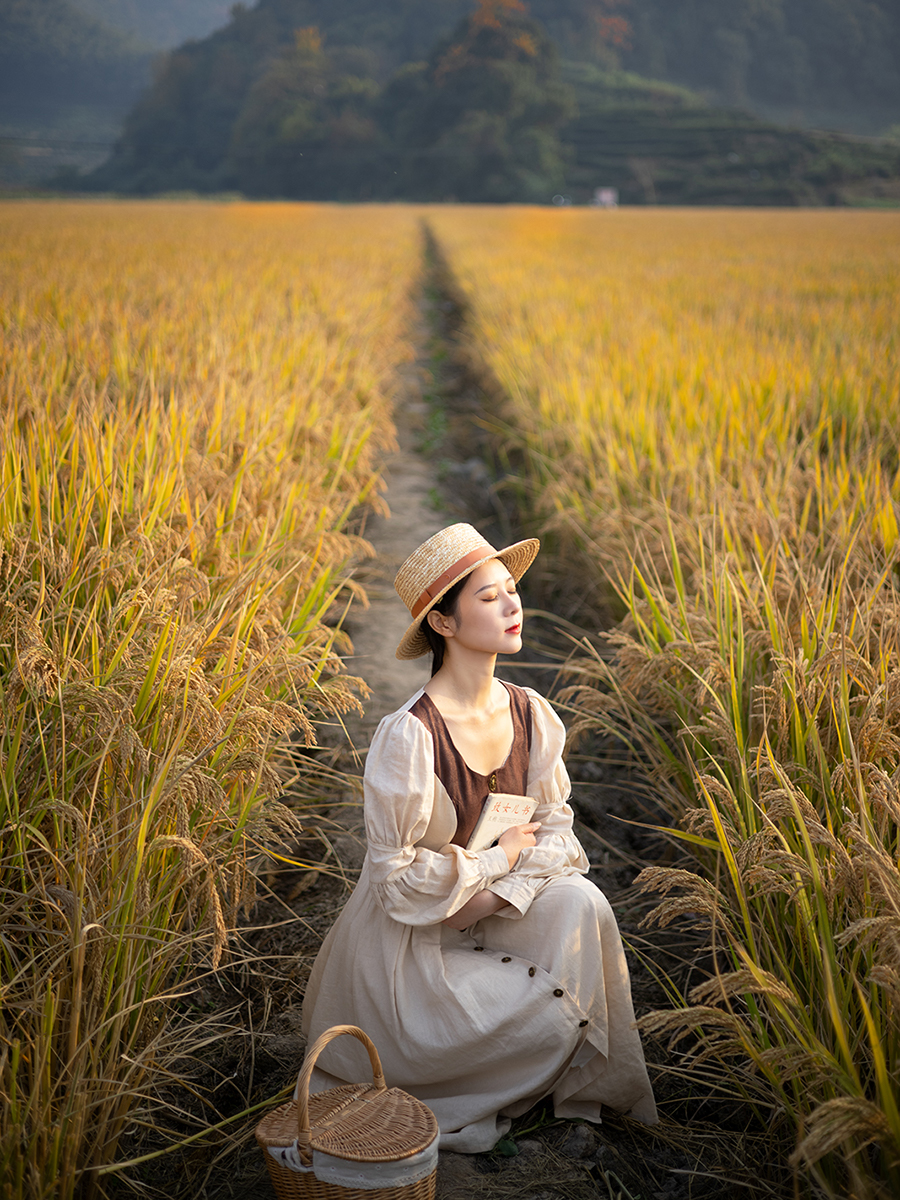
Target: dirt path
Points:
x,y
377,630
420,502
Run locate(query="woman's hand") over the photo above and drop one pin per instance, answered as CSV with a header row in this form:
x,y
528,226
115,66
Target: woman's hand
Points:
x,y
516,839
482,904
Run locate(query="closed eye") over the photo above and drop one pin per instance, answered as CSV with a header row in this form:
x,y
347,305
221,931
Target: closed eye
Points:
x,y
489,587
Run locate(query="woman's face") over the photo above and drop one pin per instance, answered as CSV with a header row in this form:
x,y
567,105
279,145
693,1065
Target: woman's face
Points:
x,y
488,614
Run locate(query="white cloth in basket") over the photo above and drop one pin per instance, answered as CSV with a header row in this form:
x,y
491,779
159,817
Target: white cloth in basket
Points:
x,y
342,1172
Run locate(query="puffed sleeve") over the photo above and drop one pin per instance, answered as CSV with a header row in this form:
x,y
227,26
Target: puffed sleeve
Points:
x,y
412,884
557,850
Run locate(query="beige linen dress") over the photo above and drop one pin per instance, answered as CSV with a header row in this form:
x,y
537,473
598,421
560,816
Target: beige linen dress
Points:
x,y
530,1002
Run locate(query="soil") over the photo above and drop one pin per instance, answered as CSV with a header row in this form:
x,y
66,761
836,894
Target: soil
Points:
x,y
707,1145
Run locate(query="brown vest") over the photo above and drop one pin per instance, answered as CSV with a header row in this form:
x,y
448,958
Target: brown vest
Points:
x,y
466,788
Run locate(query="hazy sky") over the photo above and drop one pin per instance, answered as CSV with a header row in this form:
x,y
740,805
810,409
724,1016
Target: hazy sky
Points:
x,y
161,22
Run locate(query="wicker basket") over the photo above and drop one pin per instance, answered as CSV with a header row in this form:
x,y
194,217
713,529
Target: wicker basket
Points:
x,y
361,1141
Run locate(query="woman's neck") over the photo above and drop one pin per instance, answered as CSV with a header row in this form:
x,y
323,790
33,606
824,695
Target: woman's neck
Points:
x,y
465,680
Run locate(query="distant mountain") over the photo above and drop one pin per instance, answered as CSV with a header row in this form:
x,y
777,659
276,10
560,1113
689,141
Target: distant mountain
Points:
x,y
804,63
336,98
160,23
812,63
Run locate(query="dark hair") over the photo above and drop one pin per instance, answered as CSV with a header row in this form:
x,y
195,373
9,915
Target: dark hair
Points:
x,y
447,606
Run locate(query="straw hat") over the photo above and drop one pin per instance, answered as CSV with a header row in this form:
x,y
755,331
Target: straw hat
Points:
x,y
440,562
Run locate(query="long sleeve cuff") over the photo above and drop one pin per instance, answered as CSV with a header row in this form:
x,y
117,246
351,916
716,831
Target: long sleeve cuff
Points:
x,y
518,893
436,885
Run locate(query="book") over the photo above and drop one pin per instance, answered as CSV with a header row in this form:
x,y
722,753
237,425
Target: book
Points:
x,y
500,812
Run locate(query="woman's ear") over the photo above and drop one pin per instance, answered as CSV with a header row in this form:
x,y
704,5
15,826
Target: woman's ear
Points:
x,y
440,623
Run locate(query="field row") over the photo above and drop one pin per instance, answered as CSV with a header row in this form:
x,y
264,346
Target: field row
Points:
x,y
193,404
700,411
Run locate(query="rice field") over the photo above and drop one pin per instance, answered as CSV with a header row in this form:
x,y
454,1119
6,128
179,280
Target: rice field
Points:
x,y
193,401
700,410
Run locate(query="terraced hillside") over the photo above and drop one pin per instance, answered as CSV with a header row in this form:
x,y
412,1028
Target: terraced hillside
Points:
x,y
662,144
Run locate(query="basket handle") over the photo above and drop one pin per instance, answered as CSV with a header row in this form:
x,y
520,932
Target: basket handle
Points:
x,y
336,1031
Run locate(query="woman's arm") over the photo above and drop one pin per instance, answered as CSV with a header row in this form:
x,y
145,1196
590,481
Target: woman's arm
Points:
x,y
484,904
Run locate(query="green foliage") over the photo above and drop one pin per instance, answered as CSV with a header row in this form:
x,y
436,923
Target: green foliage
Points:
x,y
813,63
307,128
179,134
479,120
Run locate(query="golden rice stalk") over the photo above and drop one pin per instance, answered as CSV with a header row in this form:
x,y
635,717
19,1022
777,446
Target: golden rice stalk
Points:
x,y
199,863
720,989
850,1120
699,897
679,1023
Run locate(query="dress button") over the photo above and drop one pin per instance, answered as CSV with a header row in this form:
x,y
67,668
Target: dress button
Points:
x,y
506,959
581,1024
531,970
479,947
558,992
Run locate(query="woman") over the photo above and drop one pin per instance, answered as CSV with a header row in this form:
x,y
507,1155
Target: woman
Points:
x,y
487,980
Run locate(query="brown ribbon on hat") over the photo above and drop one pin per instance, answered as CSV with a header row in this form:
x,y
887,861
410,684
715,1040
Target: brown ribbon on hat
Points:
x,y
448,577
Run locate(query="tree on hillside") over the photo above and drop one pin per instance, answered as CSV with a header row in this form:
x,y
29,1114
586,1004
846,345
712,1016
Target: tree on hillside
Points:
x,y
179,134
613,34
479,121
306,128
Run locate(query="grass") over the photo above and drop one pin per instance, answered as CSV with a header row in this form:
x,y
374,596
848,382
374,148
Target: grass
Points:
x,y
699,412
192,401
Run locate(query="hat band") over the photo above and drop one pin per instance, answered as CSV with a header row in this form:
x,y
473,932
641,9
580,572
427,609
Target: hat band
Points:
x,y
452,573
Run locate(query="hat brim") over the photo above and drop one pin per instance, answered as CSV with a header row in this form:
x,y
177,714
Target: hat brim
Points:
x,y
518,558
